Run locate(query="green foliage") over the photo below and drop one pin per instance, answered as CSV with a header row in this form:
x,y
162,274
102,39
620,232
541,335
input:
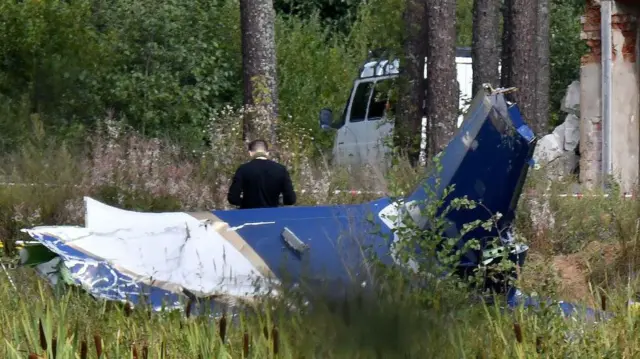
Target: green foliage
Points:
x,y
164,68
340,15
335,14
50,58
566,50
464,22
314,71
175,63
378,26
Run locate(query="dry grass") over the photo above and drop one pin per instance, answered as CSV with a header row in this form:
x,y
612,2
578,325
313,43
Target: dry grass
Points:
x,y
123,169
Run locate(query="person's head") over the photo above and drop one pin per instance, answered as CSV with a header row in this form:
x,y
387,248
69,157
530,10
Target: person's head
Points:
x,y
258,148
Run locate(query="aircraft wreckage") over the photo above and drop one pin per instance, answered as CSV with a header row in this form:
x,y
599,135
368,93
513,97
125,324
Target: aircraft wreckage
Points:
x,y
163,258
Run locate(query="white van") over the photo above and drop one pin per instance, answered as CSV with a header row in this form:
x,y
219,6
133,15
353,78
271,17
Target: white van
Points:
x,y
362,130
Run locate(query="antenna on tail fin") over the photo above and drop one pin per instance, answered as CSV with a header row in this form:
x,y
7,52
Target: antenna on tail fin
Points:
x,y
491,91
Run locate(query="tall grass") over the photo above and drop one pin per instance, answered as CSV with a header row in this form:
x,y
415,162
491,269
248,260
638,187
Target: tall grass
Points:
x,y
392,323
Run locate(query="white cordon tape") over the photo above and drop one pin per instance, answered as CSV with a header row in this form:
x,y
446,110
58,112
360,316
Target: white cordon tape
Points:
x,y
562,195
381,193
582,195
339,191
11,184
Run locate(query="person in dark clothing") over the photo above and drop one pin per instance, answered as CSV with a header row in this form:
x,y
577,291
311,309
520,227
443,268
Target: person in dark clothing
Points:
x,y
259,182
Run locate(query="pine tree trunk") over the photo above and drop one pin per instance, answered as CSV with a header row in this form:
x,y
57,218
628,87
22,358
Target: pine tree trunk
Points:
x,y
442,87
543,69
259,68
409,119
505,56
521,36
485,48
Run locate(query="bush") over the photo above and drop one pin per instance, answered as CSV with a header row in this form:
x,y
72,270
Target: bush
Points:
x,y
315,70
566,49
172,64
51,63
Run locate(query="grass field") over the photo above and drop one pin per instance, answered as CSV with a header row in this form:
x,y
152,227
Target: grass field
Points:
x,y
441,323
586,254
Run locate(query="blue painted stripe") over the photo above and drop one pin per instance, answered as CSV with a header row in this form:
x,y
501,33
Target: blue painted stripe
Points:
x,y
106,281
110,284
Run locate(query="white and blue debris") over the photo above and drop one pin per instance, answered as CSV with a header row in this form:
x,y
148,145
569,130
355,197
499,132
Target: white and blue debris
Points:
x,y
165,257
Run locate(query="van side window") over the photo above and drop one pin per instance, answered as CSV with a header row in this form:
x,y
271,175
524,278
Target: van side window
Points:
x,y
379,100
360,102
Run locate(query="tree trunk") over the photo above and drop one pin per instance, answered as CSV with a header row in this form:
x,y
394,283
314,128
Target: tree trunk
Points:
x,y
409,119
442,86
505,58
543,83
485,53
259,68
521,37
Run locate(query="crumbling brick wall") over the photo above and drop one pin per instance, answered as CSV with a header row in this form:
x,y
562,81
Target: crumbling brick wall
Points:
x,y
625,145
590,119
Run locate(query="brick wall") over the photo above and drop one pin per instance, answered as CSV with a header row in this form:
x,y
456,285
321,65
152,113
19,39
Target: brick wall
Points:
x,y
625,145
590,119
